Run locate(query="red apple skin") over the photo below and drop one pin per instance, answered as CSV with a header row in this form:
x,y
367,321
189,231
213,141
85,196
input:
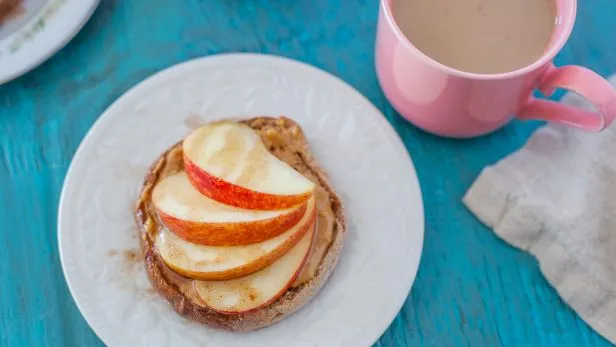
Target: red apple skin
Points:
x,y
286,287
237,196
232,234
256,265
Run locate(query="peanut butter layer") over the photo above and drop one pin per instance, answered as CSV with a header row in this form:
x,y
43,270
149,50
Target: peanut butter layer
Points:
x,y
286,147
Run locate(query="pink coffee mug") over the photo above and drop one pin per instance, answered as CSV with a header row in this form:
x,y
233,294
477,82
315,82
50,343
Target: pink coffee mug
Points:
x,y
453,103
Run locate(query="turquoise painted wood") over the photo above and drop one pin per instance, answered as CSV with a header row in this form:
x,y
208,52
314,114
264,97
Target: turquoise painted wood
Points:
x,y
471,290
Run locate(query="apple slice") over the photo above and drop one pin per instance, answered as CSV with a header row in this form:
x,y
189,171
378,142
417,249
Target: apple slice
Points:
x,y
198,219
228,162
229,262
259,289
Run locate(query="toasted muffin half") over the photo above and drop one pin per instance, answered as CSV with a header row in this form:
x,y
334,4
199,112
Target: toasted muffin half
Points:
x,y
285,139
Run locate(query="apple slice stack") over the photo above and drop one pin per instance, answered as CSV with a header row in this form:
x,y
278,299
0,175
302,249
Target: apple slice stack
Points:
x,y
238,220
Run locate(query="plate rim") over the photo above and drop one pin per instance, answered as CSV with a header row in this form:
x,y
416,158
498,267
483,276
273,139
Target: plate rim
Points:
x,y
37,51
272,58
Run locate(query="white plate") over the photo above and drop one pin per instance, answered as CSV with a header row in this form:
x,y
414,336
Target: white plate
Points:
x,y
45,26
365,158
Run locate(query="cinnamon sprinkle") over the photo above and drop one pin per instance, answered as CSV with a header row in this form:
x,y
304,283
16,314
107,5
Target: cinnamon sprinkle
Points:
x,y
10,9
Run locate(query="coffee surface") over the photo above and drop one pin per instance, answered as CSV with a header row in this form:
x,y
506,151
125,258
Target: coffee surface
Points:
x,y
478,36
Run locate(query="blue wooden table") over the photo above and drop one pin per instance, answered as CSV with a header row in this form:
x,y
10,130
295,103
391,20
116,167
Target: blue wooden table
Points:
x,y
471,290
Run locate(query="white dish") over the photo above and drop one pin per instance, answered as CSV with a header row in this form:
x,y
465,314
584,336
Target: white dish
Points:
x,y
367,162
44,27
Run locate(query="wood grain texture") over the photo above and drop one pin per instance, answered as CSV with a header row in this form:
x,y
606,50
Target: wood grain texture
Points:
x,y
471,290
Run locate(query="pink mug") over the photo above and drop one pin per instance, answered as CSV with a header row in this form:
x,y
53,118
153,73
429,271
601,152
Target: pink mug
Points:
x,y
453,103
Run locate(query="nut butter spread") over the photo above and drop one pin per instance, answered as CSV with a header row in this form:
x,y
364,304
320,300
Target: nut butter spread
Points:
x,y
283,148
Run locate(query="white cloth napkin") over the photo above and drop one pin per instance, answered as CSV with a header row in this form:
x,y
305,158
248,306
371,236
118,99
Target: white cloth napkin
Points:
x,y
556,198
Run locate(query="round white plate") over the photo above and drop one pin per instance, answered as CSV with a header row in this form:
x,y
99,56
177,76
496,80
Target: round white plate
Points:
x,y
44,27
367,162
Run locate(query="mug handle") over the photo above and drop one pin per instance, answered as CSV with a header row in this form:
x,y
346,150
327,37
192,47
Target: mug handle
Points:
x,y
579,80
